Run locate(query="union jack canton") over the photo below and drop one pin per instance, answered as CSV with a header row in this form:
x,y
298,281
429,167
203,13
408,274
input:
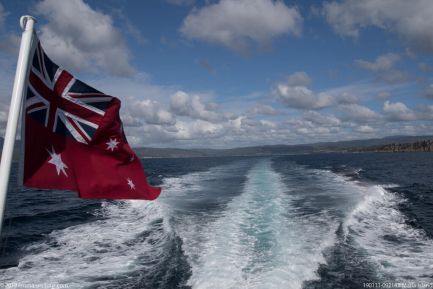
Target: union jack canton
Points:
x,y
62,103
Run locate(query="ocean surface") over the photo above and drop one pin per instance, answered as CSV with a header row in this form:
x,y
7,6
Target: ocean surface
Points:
x,y
303,221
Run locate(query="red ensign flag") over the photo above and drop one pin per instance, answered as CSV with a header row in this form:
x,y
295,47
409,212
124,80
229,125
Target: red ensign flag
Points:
x,y
74,138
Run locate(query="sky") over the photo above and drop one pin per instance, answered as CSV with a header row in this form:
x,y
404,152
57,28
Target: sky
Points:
x,y
231,73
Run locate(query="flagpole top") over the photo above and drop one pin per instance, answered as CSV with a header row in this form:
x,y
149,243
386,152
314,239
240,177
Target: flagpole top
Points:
x,y
24,19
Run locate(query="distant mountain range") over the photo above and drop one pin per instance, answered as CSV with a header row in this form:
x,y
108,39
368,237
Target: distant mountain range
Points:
x,y
386,144
375,144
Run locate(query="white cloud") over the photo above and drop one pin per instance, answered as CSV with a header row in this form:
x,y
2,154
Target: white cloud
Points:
x,y
410,19
311,130
236,24
383,63
299,78
322,119
198,129
79,37
184,104
365,129
398,111
301,97
346,98
358,113
147,110
295,94
383,68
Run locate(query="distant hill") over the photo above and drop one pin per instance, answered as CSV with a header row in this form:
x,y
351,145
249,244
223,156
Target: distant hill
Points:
x,y
425,145
370,142
339,146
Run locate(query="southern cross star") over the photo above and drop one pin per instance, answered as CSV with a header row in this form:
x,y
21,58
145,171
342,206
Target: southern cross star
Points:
x,y
56,160
112,144
131,184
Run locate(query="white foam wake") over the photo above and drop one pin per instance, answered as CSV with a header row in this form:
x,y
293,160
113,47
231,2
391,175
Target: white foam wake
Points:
x,y
94,252
372,218
129,237
398,249
257,242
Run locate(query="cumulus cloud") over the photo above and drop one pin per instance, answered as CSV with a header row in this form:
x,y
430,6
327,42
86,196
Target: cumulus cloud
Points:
x,y
198,129
147,110
358,113
311,130
365,129
295,94
299,78
82,43
346,98
383,63
322,119
398,111
311,126
383,68
184,104
302,98
236,24
410,19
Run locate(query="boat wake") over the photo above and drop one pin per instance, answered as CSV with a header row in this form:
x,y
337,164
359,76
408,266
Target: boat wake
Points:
x,y
130,236
255,223
258,241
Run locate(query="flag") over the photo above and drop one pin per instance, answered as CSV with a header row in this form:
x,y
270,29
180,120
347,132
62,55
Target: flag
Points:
x,y
74,139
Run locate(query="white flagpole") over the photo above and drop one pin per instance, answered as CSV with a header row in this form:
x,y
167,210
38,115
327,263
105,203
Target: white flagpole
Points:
x,y
18,92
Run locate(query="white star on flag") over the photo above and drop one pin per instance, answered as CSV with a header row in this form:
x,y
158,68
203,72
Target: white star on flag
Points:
x,y
56,159
112,144
131,184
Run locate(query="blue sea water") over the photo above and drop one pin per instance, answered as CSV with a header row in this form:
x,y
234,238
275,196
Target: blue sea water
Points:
x,y
302,221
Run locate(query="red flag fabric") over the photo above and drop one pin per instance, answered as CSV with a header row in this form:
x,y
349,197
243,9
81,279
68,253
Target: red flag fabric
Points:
x,y
74,139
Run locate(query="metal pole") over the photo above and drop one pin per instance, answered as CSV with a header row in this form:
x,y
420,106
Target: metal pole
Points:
x,y
18,92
